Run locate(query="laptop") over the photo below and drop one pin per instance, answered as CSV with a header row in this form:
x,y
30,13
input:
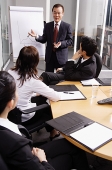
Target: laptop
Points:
x,y
104,81
70,122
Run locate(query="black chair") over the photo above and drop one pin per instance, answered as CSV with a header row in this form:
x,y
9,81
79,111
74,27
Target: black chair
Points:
x,y
15,117
99,64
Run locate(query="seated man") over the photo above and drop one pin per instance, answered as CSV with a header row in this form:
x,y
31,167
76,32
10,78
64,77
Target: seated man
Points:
x,y
83,69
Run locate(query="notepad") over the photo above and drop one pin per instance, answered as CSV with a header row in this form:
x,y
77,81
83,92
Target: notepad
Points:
x,y
90,82
93,136
72,95
69,92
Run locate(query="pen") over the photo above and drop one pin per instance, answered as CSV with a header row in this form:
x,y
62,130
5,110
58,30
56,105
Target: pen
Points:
x,y
68,92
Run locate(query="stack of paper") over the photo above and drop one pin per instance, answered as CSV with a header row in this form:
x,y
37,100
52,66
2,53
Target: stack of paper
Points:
x,y
90,82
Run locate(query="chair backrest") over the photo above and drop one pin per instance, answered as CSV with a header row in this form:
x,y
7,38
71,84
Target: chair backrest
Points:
x,y
15,117
3,165
99,64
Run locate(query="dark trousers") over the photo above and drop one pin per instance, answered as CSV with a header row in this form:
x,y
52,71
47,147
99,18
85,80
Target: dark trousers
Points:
x,y
53,63
52,78
102,164
62,155
40,118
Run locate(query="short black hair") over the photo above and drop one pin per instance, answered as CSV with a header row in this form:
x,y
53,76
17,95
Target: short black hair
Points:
x,y
89,45
57,6
7,89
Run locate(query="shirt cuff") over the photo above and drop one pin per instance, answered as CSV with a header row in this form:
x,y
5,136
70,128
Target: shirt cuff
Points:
x,y
36,38
72,60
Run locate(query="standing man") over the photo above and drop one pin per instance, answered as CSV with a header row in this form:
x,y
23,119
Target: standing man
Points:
x,y
58,36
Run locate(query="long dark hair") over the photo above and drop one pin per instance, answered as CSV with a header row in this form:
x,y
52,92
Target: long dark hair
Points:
x,y
26,63
7,89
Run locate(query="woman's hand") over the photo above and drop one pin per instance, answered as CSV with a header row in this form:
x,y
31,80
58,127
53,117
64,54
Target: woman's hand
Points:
x,y
40,154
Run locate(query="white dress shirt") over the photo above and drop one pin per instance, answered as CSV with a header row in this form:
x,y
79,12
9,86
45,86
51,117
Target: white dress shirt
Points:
x,y
58,26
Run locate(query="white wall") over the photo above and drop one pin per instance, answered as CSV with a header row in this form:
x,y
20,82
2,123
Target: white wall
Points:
x,y
69,5
33,3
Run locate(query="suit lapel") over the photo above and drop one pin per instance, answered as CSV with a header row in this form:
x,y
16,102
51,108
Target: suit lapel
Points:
x,y
60,30
51,30
79,64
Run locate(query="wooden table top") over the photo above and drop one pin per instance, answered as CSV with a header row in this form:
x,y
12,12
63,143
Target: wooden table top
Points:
x,y
90,109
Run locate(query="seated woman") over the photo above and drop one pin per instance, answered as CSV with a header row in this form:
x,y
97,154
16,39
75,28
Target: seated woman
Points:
x,y
18,151
27,81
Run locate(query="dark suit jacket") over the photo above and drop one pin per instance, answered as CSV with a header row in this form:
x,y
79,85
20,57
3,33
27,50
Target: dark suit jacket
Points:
x,y
80,71
16,151
64,36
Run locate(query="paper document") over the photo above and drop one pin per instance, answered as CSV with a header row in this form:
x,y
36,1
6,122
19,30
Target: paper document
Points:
x,y
93,136
72,95
90,82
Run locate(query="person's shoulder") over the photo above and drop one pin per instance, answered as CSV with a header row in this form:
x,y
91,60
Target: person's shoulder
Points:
x,y
49,23
93,57
12,72
65,23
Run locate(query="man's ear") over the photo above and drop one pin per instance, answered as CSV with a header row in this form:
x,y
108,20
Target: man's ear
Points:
x,y
10,104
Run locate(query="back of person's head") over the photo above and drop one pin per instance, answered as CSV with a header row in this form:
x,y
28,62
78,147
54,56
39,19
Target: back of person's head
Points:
x,y
89,45
57,6
26,63
7,89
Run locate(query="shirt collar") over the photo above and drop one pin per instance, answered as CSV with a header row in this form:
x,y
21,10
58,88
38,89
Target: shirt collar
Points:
x,y
9,125
82,60
57,23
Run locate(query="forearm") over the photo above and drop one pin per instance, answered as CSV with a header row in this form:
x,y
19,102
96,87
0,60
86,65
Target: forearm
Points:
x,y
41,39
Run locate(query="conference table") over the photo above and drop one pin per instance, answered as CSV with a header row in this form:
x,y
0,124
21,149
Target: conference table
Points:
x,y
89,108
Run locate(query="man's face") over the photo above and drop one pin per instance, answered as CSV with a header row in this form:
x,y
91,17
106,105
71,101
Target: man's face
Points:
x,y
57,14
80,50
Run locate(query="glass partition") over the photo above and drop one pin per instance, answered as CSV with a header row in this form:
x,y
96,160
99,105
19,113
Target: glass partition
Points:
x,y
107,42
4,31
91,23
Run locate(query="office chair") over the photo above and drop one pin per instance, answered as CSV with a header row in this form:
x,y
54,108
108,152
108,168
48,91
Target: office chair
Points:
x,y
15,116
99,64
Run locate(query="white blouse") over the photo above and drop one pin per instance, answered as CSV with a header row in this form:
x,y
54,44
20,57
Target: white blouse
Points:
x,y
26,91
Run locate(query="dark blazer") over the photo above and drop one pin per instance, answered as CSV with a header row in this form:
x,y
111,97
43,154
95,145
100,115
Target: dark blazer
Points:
x,y
64,36
16,151
80,71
